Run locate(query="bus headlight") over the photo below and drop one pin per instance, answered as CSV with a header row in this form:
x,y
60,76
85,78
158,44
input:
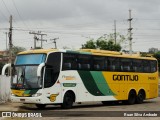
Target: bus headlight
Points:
x,y
37,94
13,94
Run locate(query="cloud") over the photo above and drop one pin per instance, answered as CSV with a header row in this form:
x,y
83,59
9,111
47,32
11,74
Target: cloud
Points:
x,y
83,17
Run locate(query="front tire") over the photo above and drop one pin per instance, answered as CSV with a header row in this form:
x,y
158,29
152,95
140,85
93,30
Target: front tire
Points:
x,y
67,101
40,106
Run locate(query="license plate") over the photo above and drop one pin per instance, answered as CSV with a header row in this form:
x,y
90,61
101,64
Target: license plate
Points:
x,y
22,100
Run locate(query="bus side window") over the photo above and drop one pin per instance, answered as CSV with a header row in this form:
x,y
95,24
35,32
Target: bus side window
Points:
x,y
137,65
98,63
84,62
113,64
69,61
153,66
49,77
126,65
96,67
146,66
86,66
67,66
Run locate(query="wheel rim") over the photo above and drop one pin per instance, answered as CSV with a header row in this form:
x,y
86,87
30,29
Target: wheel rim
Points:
x,y
140,96
69,100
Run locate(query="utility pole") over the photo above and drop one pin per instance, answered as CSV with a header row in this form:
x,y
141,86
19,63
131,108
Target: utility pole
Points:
x,y
35,38
6,40
42,40
115,34
54,41
130,33
10,45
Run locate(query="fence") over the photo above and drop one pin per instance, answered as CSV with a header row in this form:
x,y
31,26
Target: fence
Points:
x,y
4,88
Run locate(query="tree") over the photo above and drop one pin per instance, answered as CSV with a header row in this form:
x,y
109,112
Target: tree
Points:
x,y
90,44
157,56
105,43
17,49
5,58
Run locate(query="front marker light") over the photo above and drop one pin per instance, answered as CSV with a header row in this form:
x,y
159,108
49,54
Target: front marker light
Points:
x,y
13,94
37,94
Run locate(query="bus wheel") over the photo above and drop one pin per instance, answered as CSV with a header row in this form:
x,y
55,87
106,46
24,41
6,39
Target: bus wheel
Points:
x,y
140,97
131,97
67,101
40,106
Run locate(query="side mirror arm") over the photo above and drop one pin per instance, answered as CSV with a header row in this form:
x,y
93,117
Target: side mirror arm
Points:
x,y
5,67
39,69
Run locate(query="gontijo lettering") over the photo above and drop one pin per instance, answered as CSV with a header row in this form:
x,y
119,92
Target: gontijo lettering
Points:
x,y
125,77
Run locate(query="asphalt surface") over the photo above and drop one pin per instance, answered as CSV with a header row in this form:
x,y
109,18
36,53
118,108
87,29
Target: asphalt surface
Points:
x,y
90,110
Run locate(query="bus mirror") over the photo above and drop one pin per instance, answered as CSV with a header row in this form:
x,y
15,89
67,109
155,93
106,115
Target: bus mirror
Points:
x,y
39,69
5,67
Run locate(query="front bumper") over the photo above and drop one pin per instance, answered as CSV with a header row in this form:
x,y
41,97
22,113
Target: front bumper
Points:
x,y
36,100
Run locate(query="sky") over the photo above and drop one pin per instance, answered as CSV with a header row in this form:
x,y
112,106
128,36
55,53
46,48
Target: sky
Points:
x,y
76,21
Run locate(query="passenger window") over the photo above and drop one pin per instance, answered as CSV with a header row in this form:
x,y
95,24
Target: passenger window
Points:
x,y
69,62
153,66
84,62
113,64
137,65
146,66
98,63
126,65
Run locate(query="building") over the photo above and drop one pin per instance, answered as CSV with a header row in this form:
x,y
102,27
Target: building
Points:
x,y
4,56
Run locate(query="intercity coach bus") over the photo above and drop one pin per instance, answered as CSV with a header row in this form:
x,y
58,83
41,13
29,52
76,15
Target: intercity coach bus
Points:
x,y
45,77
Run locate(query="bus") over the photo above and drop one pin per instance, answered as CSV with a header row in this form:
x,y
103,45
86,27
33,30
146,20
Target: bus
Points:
x,y
50,76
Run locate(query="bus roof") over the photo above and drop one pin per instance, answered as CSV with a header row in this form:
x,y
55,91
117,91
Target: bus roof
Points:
x,y
38,51
86,51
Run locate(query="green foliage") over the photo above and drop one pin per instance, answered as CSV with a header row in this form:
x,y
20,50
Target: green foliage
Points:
x,y
105,43
17,49
157,56
89,44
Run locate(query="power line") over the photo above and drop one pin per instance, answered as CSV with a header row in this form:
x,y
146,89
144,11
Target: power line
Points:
x,y
3,15
19,13
8,11
6,7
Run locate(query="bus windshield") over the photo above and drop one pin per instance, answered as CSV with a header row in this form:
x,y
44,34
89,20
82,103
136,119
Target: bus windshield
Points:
x,y
30,59
26,78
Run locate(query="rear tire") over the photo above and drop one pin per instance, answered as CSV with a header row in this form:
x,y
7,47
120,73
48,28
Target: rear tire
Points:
x,y
131,97
67,101
40,106
140,97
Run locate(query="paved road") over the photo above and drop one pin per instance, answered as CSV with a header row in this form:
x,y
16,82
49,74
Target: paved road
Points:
x,y
90,110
